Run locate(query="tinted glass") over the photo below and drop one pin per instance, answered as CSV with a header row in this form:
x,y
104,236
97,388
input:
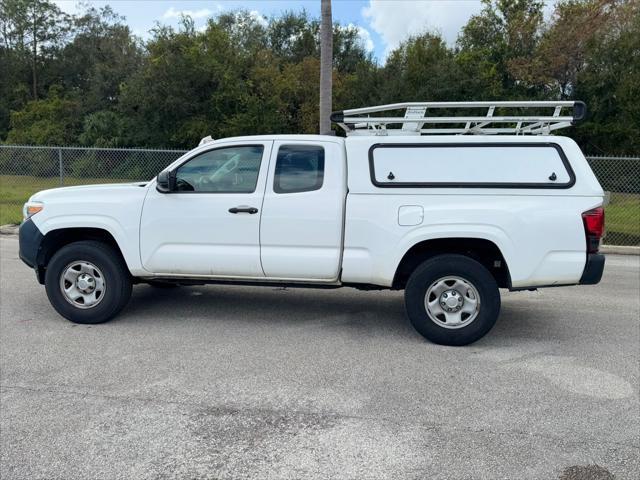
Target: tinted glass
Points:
x,y
299,168
224,170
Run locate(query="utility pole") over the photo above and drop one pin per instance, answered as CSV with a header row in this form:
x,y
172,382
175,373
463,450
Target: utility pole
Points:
x,y
326,65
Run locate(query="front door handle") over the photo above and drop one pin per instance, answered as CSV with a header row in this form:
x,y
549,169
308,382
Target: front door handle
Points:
x,y
243,209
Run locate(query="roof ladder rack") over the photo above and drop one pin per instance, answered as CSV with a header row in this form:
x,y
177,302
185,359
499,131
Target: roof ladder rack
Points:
x,y
515,118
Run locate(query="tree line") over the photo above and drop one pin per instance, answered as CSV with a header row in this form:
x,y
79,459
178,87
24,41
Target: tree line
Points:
x,y
86,79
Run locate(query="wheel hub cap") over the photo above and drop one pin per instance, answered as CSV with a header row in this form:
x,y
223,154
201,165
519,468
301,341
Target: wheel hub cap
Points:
x,y
82,284
452,302
86,283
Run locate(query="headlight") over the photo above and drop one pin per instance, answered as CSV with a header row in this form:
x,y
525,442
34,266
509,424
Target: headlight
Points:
x,y
31,208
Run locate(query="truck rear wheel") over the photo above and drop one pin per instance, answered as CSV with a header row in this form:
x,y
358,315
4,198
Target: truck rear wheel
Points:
x,y
87,282
452,300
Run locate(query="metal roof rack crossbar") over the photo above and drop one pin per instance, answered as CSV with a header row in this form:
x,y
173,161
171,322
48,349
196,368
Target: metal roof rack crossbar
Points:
x,y
524,118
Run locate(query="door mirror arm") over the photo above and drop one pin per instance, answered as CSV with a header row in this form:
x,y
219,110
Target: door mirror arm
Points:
x,y
166,181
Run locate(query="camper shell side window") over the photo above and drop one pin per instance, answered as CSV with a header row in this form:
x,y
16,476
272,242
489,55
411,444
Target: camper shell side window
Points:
x,y
470,165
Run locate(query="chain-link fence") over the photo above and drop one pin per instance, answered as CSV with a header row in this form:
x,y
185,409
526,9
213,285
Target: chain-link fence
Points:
x,y
620,178
25,170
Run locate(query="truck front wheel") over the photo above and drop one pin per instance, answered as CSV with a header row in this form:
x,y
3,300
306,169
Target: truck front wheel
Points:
x,y
452,300
87,282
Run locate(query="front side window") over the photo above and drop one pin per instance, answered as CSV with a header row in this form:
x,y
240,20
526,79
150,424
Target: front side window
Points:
x,y
223,170
299,168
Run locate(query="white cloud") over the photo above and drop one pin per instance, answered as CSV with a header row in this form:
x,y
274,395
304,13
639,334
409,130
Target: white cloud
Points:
x,y
204,13
67,6
396,20
364,36
195,14
259,18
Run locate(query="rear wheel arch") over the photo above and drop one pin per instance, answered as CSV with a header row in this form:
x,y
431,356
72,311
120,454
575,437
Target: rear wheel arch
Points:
x,y
482,250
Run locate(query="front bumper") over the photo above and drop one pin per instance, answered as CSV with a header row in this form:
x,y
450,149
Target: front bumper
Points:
x,y
30,240
593,269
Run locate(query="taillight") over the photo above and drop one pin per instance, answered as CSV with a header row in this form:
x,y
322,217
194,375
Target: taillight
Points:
x,y
593,228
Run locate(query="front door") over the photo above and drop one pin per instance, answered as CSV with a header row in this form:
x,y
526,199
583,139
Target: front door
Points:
x,y
211,224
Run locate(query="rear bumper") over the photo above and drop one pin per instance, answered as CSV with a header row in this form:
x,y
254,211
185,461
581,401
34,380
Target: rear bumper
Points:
x,y
593,269
30,240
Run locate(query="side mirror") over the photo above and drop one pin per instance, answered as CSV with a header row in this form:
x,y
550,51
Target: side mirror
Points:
x,y
165,182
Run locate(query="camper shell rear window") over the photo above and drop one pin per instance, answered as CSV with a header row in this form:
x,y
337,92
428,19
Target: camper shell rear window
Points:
x,y
470,165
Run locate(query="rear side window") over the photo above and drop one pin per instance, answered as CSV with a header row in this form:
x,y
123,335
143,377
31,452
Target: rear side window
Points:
x,y
489,165
299,168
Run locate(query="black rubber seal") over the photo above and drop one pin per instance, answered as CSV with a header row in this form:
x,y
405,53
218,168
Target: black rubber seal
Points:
x,y
514,185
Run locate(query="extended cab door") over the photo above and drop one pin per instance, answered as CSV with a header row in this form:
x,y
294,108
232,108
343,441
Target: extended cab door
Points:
x,y
303,211
211,224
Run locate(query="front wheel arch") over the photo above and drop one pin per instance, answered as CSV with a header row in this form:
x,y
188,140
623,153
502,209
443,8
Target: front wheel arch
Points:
x,y
54,240
105,269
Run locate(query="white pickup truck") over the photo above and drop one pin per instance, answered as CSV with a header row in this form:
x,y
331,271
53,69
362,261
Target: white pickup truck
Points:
x,y
448,217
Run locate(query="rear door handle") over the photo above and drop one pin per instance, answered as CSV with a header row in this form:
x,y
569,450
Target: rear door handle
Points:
x,y
243,209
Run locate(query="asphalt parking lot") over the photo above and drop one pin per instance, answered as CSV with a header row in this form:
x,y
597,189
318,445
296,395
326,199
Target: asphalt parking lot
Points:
x,y
244,382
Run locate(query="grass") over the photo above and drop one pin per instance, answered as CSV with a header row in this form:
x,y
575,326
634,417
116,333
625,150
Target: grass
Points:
x,y
622,213
622,219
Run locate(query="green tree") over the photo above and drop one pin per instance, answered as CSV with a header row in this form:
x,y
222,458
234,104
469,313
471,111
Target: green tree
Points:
x,y
293,37
420,69
34,26
103,129
609,83
102,54
505,34
566,42
50,121
187,85
31,32
245,74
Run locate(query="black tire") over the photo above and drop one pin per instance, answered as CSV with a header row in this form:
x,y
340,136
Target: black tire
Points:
x,y
112,267
469,270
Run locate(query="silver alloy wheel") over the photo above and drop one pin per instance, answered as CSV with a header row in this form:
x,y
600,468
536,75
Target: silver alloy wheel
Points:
x,y
452,302
82,284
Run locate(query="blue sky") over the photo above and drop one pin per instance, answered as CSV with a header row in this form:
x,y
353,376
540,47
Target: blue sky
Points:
x,y
383,24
